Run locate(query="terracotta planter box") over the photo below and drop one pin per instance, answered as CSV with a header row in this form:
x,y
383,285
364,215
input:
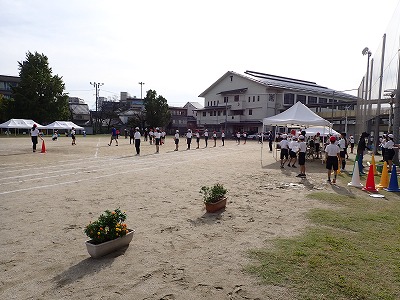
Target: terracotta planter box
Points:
x,y
105,248
213,207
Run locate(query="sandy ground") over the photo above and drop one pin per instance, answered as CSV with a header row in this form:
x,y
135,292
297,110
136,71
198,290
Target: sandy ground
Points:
x,y
178,250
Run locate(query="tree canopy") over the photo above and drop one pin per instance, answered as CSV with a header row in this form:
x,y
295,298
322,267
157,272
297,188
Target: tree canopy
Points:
x,y
157,111
39,95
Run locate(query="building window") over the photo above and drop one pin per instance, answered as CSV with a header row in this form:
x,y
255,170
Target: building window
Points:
x,y
236,99
301,98
224,112
215,113
254,98
219,113
322,100
204,113
312,100
271,97
288,99
214,102
210,113
250,112
208,103
225,99
258,98
249,98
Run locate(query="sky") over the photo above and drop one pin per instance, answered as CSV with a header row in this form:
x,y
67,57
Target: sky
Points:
x,y
180,48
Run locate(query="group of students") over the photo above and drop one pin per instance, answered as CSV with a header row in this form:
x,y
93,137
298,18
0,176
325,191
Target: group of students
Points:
x,y
335,151
190,135
295,150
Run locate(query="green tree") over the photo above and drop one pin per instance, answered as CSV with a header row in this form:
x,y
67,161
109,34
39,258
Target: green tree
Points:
x,y
4,108
157,111
39,95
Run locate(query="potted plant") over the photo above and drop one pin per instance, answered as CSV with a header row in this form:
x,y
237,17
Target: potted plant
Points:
x,y
108,233
214,197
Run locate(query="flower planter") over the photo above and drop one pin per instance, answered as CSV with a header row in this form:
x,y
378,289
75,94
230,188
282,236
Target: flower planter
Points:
x,y
216,206
102,249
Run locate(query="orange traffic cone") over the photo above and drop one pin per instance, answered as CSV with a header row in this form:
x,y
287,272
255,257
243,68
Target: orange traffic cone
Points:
x,y
370,184
385,177
43,148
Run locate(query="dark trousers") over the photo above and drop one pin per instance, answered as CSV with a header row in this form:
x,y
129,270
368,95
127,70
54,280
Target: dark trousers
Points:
x,y
270,145
137,146
34,142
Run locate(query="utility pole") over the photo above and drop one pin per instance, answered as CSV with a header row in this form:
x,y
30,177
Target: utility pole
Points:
x,y
141,90
97,88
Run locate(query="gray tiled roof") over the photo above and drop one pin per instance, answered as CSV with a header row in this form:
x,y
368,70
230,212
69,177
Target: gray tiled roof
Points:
x,y
296,85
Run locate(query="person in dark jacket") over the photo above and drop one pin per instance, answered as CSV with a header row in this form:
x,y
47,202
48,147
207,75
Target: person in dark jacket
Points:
x,y
361,147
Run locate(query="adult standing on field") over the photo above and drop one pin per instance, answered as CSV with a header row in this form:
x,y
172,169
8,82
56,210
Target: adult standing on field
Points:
x,y
361,147
34,136
137,137
113,136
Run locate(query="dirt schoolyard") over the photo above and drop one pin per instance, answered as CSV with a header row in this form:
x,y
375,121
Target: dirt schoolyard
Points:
x,y
178,250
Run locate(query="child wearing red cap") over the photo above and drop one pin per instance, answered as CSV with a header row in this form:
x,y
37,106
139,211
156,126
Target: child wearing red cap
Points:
x,y
332,158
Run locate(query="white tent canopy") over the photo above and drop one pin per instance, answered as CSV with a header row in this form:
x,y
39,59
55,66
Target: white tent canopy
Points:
x,y
20,124
62,125
298,115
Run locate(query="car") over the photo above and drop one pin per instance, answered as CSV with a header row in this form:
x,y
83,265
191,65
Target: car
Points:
x,y
253,136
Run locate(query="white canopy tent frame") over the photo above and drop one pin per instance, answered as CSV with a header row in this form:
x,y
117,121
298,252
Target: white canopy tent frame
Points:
x,y
297,116
18,124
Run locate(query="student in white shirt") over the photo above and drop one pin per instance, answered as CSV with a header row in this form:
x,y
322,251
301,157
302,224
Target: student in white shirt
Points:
x,y
73,136
389,150
188,138
284,144
176,138
215,138
293,149
332,158
223,138
34,136
342,155
137,137
206,137
302,156
157,137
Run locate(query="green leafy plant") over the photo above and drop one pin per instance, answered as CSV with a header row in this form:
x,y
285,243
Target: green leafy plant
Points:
x,y
214,193
109,226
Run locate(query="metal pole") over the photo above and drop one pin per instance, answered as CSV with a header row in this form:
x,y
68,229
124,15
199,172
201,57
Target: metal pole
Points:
x,y
378,107
396,113
226,112
141,90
